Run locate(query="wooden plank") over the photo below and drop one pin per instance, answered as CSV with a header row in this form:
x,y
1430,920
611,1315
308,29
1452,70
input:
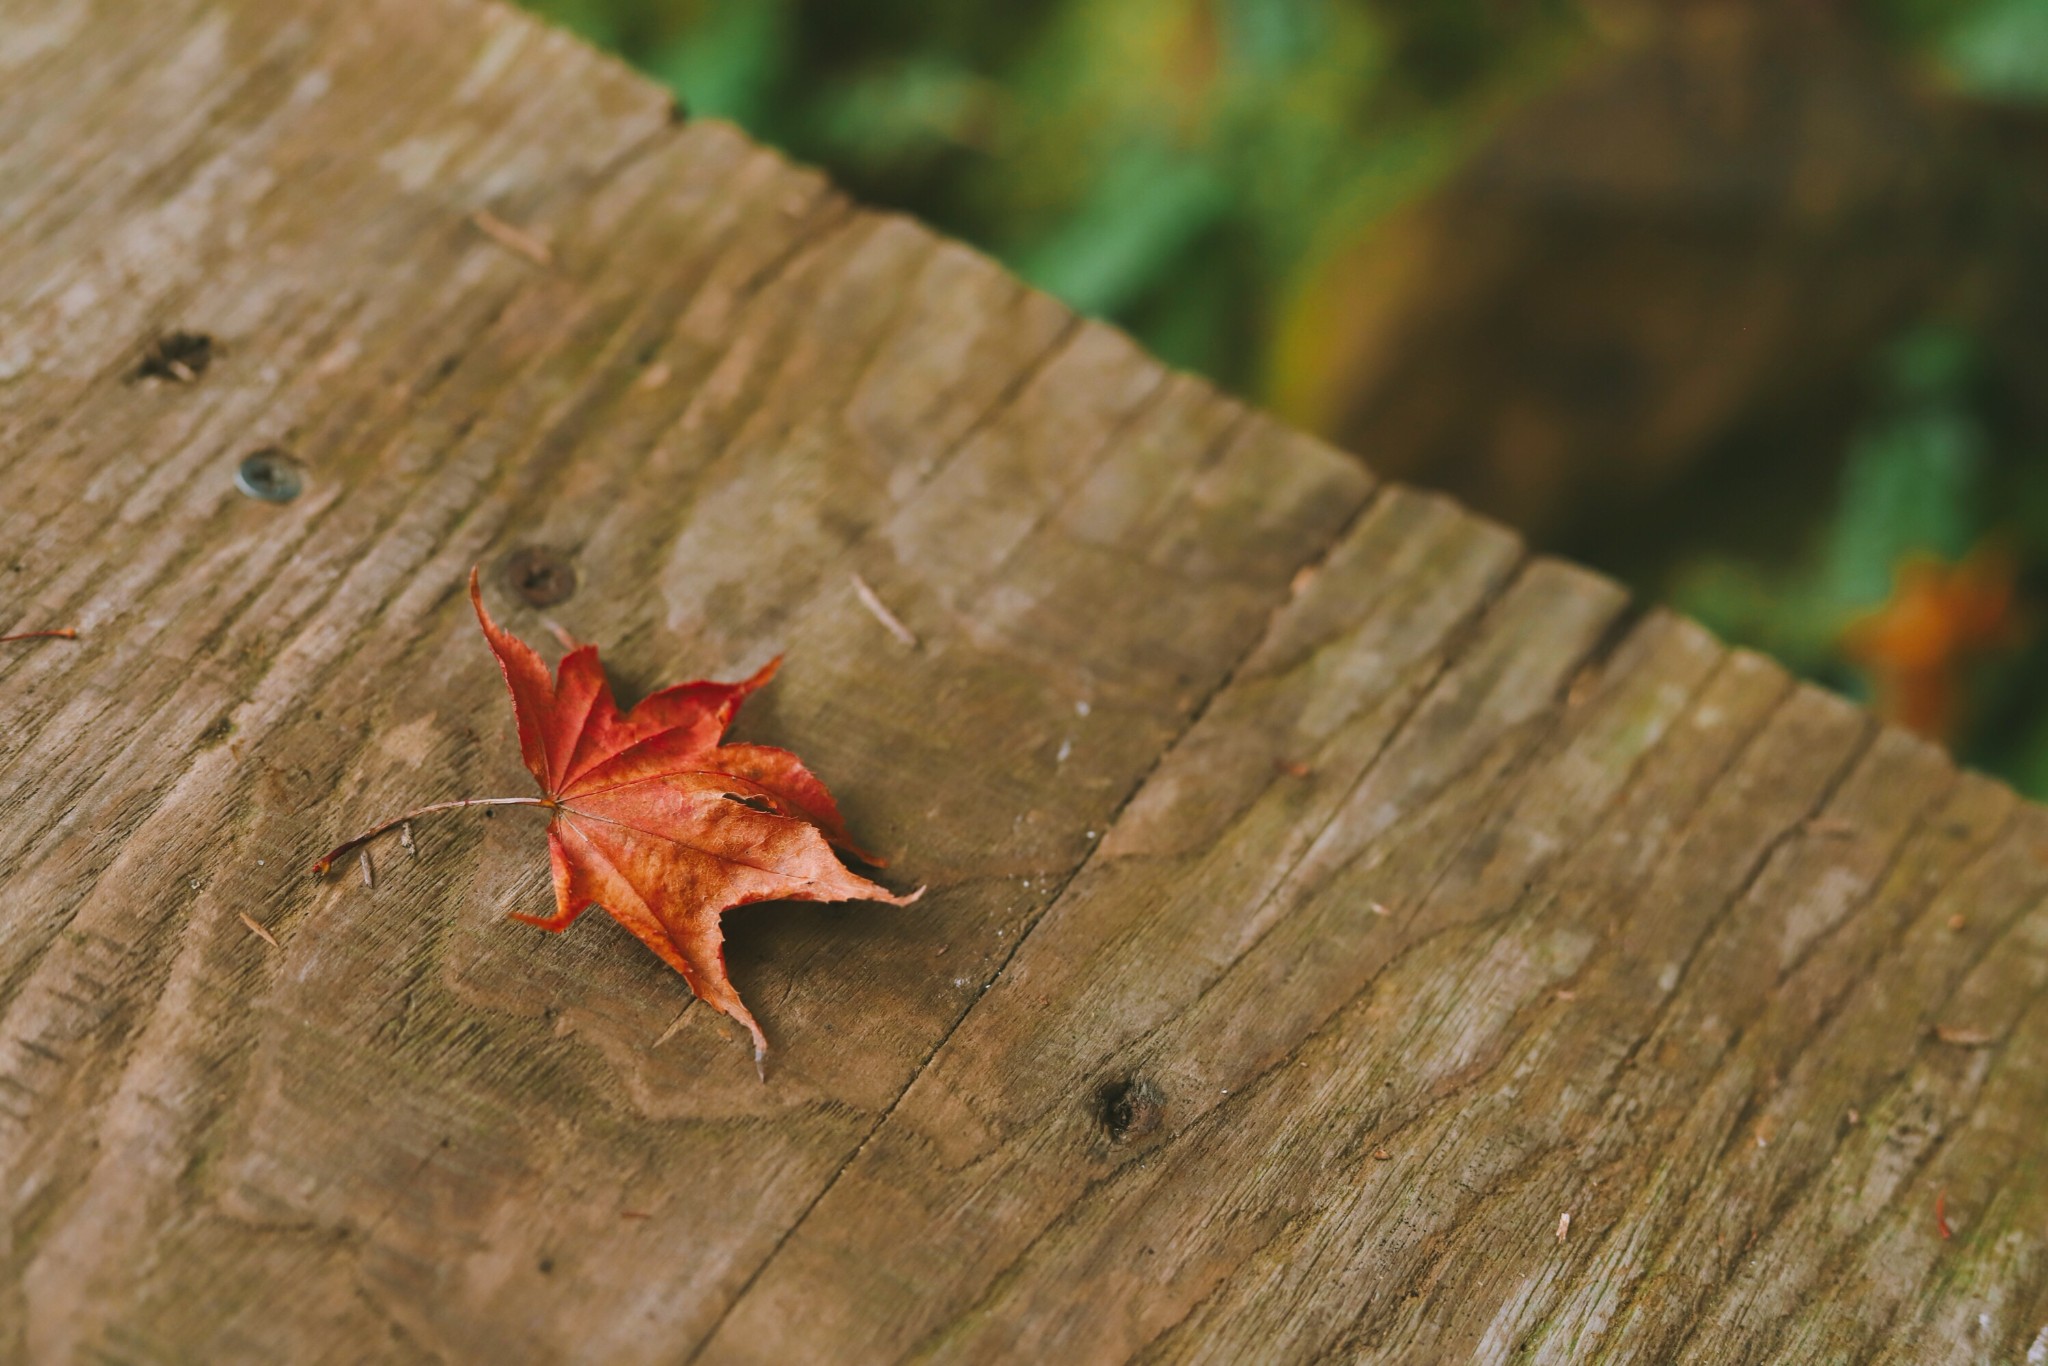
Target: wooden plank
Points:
x,y
1326,897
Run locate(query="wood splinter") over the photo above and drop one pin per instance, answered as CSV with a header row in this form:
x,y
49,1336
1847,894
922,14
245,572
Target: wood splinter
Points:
x,y
513,239
673,1026
880,612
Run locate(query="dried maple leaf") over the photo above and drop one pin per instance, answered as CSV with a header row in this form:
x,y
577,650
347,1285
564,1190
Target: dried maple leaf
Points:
x,y
655,821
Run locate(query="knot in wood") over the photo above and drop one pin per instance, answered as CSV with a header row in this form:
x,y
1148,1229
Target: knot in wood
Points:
x,y
179,356
541,577
1129,1108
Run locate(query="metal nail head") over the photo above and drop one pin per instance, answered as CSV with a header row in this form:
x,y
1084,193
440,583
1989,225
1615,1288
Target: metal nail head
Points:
x,y
271,474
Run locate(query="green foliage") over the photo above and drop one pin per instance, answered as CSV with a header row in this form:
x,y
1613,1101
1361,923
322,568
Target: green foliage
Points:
x,y
1123,153
1189,169
732,62
2000,49
1913,479
1911,483
1176,166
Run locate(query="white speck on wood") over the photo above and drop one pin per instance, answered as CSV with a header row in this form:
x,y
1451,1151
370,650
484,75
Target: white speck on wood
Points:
x,y
880,612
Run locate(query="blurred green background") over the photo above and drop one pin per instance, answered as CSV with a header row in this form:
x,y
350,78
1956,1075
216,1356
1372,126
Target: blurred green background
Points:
x,y
1743,302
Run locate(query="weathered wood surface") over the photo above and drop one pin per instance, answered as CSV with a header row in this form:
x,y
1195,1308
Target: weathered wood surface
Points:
x,y
1327,897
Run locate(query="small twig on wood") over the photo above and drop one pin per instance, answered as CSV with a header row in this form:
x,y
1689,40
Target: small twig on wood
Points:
x,y
1963,1036
673,1026
256,928
369,871
513,239
61,633
876,608
326,861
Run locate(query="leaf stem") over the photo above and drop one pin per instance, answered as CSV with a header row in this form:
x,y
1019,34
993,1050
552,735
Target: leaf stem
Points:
x,y
327,859
62,633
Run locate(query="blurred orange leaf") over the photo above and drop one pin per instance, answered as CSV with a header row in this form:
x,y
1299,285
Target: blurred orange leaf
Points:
x,y
1938,617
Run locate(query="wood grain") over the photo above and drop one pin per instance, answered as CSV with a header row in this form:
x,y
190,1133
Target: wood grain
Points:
x,y
1327,896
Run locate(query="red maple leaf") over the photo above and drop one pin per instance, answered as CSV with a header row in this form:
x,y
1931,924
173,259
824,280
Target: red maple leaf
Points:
x,y
655,821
